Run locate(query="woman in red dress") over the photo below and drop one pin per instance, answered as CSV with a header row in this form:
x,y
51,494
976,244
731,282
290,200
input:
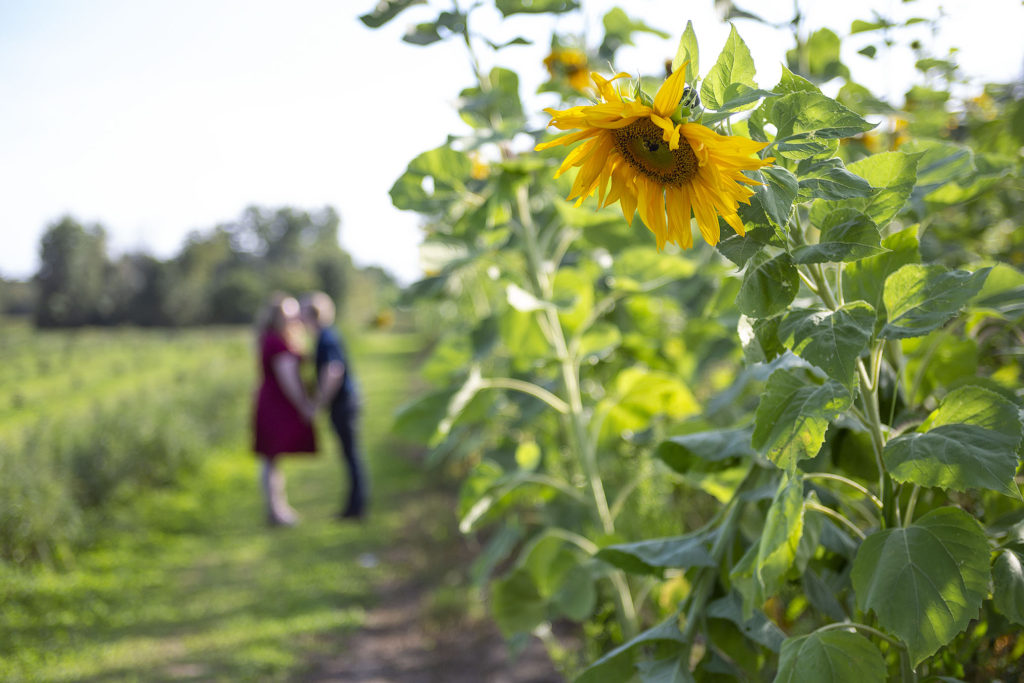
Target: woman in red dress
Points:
x,y
284,414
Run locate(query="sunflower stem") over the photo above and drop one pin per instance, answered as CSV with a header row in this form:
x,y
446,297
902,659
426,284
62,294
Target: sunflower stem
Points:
x,y
580,439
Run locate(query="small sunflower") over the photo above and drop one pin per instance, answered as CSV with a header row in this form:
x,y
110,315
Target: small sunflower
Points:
x,y
635,154
570,64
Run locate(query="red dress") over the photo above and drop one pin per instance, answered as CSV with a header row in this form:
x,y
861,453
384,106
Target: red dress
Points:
x,y
279,427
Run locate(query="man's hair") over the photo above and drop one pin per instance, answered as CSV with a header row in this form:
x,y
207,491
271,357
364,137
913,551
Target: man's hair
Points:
x,y
321,306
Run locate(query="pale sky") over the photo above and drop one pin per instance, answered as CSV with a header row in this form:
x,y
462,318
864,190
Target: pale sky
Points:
x,y
157,118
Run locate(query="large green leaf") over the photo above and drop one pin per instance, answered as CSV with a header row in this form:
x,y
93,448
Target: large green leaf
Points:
x,y
891,174
644,268
925,581
919,298
969,441
705,451
783,527
386,10
430,32
516,604
830,657
1008,586
637,395
832,340
793,415
819,56
755,626
671,670
447,171
769,285
496,107
657,554
734,66
865,279
508,7
777,194
846,235
829,179
688,53
808,124
619,28
617,665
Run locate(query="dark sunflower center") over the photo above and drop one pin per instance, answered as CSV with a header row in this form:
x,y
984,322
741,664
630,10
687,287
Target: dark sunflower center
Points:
x,y
641,146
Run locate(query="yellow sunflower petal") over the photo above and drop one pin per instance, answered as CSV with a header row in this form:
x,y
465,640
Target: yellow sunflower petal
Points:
x,y
670,92
652,209
677,203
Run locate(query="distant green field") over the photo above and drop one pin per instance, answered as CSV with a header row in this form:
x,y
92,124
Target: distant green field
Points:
x,y
90,416
176,578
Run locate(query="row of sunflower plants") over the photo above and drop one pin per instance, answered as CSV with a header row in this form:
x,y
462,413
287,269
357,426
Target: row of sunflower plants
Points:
x,y
787,452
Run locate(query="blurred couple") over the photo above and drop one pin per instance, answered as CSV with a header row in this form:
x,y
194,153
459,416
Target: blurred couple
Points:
x,y
284,414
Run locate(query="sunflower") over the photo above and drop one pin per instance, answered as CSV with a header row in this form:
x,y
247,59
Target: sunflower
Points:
x,y
635,154
570,64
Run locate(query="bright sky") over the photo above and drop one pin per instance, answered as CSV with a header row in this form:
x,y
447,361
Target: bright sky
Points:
x,y
158,118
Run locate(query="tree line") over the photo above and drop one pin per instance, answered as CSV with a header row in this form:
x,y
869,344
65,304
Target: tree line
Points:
x,y
220,276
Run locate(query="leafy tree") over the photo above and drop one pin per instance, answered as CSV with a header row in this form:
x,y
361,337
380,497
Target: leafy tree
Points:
x,y
71,275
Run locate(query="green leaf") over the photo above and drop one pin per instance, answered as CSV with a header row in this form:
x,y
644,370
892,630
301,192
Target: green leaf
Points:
x,y
599,341
688,52
741,248
830,657
427,33
497,107
790,82
516,604
865,279
616,665
637,395
919,298
777,194
671,670
509,7
447,171
820,56
846,235
654,555
780,536
639,269
829,179
619,28
576,595
969,441
793,415
769,285
418,419
757,627
926,581
892,174
705,451
1008,586
734,65
940,163
831,340
805,116
386,10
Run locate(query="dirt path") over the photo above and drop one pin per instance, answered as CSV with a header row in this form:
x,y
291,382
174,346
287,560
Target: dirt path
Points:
x,y
411,637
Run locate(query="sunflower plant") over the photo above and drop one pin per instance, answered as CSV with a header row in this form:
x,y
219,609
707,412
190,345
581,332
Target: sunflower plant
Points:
x,y
788,451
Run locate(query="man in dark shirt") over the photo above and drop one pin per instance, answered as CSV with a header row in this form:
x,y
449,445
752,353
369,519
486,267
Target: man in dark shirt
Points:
x,y
337,391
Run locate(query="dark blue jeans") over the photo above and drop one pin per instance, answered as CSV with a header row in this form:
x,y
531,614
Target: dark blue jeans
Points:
x,y
345,426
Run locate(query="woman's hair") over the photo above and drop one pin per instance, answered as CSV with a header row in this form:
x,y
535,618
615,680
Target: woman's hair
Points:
x,y
276,313
321,307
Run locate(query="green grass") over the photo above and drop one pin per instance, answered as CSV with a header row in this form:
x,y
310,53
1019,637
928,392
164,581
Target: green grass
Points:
x,y
188,582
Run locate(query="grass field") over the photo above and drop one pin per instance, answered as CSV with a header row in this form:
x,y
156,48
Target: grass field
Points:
x,y
184,580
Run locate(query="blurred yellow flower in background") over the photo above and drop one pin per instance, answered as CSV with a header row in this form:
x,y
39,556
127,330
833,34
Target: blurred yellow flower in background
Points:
x,y
570,64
